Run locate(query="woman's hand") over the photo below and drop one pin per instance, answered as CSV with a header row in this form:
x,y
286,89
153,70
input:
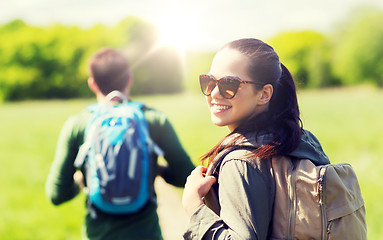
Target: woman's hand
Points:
x,y
196,187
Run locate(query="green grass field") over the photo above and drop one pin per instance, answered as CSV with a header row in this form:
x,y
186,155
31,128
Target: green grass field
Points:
x,y
348,122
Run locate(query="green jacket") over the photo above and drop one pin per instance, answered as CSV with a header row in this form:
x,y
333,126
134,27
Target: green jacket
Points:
x,y
60,186
246,194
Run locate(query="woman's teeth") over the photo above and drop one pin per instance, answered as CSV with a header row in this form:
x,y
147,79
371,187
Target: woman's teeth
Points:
x,y
221,107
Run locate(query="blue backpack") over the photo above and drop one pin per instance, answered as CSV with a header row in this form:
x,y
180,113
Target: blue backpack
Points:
x,y
117,151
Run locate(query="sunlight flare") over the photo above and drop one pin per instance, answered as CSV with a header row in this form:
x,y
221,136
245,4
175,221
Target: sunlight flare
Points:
x,y
178,30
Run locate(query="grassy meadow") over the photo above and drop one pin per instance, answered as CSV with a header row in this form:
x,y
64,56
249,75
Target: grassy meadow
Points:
x,y
348,122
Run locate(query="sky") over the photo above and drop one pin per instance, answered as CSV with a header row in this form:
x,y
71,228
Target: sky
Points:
x,y
196,24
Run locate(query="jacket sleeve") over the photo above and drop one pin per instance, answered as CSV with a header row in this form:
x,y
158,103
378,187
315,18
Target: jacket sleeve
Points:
x,y
246,206
179,164
60,186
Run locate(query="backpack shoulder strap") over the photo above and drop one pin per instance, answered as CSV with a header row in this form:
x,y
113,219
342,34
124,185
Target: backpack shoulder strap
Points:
x,y
140,113
211,198
234,152
97,109
84,148
115,94
138,105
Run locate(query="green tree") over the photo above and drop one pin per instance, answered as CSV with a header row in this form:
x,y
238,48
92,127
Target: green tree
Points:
x,y
159,72
156,69
197,63
40,62
303,54
306,55
319,66
51,62
358,49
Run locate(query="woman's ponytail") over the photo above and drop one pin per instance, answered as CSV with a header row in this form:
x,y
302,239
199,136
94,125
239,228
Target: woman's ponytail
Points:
x,y
284,113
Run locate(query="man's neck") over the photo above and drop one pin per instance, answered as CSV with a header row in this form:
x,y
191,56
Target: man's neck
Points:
x,y
101,97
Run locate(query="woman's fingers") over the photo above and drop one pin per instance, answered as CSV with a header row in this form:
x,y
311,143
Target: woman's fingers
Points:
x,y
196,187
200,170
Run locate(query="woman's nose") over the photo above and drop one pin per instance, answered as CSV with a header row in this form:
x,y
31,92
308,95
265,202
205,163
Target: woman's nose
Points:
x,y
215,92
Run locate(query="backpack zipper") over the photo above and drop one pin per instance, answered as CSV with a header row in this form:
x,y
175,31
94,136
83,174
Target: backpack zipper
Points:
x,y
322,203
292,209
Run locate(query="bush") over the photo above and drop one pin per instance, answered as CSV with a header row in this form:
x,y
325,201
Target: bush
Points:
x,y
358,49
306,55
51,62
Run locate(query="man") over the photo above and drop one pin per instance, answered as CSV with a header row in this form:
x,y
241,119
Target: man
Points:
x,y
109,71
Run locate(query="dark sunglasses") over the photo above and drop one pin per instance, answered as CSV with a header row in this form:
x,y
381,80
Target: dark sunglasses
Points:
x,y
227,86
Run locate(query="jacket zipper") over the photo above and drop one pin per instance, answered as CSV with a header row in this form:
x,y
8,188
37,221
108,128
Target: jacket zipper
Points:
x,y
321,183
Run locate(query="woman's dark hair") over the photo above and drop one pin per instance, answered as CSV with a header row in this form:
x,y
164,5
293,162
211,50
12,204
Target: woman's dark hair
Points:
x,y
282,117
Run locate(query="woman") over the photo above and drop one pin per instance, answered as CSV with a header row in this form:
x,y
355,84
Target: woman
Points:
x,y
253,94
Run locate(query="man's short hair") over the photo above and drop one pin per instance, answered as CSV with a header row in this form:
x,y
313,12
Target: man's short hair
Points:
x,y
110,70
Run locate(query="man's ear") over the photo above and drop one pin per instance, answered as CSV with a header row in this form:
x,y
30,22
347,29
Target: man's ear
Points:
x,y
93,85
267,93
130,81
128,86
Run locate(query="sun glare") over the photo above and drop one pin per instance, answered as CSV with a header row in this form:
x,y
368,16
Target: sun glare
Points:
x,y
177,31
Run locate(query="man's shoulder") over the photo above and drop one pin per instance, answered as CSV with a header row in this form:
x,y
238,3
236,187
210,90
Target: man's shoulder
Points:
x,y
153,115
78,121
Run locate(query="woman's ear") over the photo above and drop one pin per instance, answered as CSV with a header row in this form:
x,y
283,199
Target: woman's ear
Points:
x,y
267,93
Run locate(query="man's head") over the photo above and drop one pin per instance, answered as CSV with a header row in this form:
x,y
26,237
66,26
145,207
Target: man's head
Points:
x,y
109,71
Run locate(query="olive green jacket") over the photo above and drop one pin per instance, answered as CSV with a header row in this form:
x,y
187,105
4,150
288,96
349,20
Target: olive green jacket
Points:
x,y
246,194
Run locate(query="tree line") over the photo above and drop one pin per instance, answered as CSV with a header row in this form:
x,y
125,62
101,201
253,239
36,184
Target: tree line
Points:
x,y
51,62
350,54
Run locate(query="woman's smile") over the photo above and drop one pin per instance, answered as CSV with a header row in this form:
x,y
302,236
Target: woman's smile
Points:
x,y
232,112
219,108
